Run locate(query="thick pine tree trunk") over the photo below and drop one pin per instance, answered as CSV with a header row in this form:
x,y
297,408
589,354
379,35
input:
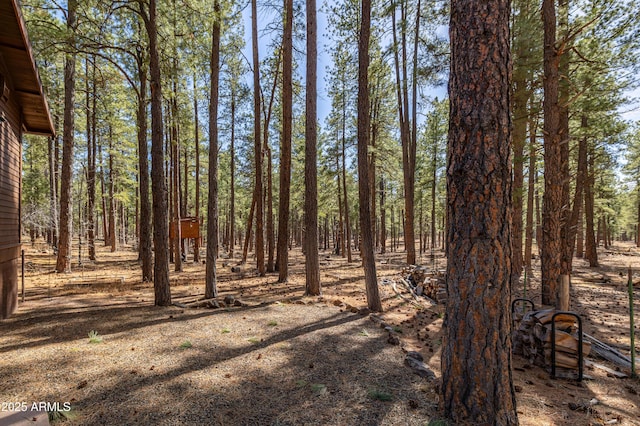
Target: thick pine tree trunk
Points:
x,y
552,202
285,147
312,265
158,184
476,357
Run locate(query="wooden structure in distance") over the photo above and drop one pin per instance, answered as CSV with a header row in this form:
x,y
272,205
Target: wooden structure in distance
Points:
x,y
23,109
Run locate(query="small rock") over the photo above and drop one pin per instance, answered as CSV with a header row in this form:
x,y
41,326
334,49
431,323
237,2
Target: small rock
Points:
x,y
419,368
229,300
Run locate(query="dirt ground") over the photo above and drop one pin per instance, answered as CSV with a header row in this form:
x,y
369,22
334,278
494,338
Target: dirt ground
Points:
x,y
282,358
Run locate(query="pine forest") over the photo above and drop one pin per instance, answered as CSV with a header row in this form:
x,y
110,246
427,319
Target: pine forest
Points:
x,y
323,212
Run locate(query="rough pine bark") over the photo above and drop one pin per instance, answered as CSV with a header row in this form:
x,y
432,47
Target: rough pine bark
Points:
x,y
285,148
211,289
145,252
161,283
552,200
312,263
530,192
476,357
196,243
232,168
383,219
174,142
91,156
259,206
113,240
519,136
63,262
347,225
366,252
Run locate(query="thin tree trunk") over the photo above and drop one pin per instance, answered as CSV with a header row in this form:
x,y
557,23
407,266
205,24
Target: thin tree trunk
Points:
x,y
103,199
530,193
347,237
112,212
175,167
580,233
145,252
196,242
590,239
340,246
312,263
368,260
572,221
232,168
638,218
91,157
63,262
271,245
383,219
247,238
211,289
257,143
569,218
520,99
271,237
434,176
